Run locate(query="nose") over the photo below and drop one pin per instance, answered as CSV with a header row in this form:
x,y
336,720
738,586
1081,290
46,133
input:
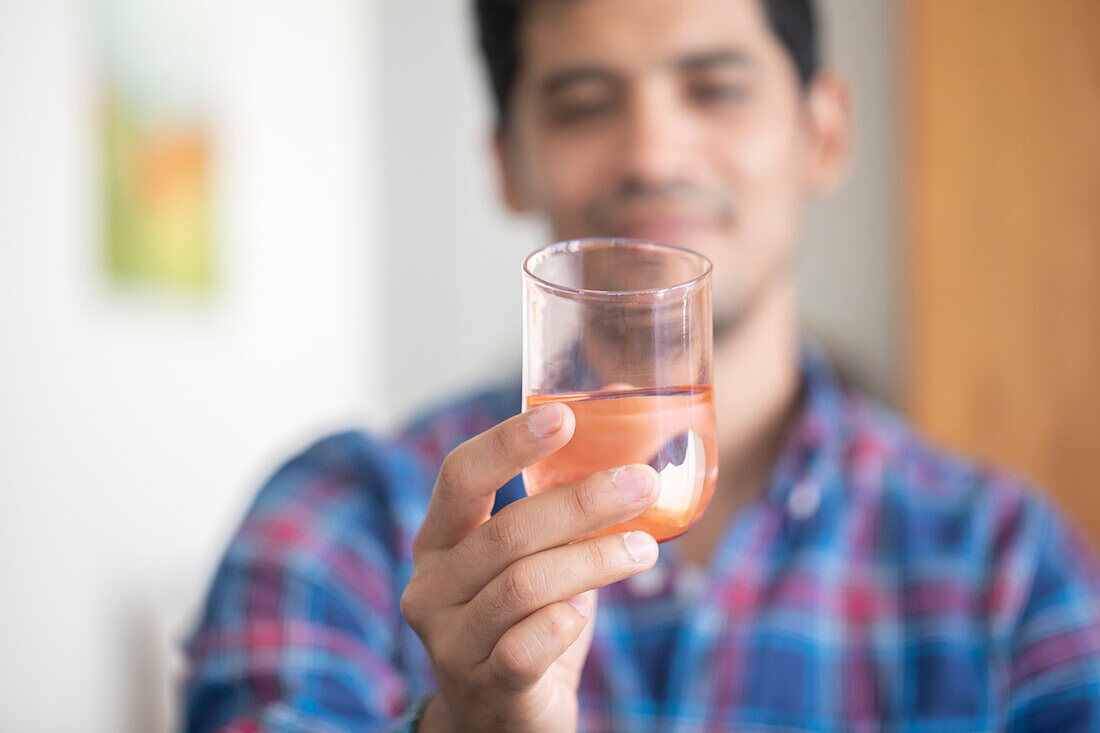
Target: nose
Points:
x,y
656,140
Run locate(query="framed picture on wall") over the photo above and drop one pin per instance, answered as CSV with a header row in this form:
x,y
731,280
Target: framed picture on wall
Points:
x,y
155,146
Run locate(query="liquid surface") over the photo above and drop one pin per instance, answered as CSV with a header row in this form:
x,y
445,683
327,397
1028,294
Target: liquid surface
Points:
x,y
671,429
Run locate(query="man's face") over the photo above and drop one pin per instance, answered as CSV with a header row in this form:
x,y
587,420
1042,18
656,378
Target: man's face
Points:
x,y
674,121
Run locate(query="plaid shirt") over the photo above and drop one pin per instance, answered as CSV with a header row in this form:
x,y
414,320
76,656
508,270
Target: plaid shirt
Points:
x,y
879,585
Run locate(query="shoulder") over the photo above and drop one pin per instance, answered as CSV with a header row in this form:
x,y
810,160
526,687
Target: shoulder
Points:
x,y
945,519
439,428
348,493
355,488
942,497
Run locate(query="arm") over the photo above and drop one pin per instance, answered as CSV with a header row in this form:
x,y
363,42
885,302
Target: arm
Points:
x,y
301,629
278,653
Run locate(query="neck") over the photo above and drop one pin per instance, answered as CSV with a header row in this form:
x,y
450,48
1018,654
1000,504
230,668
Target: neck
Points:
x,y
756,381
756,389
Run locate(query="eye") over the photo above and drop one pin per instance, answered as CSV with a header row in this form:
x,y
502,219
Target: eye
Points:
x,y
718,92
581,102
570,112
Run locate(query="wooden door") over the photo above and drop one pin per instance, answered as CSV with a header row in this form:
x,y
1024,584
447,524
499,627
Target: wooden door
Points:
x,y
1003,217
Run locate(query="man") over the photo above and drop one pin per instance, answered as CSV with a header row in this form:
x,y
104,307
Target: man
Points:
x,y
845,577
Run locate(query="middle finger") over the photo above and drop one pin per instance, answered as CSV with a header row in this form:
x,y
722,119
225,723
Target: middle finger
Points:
x,y
549,519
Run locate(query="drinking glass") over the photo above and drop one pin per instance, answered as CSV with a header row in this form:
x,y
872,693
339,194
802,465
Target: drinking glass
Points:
x,y
620,330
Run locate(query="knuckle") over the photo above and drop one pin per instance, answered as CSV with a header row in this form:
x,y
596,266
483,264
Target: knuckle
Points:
x,y
512,665
410,606
503,536
501,440
584,500
520,587
601,556
558,621
452,472
415,601
504,442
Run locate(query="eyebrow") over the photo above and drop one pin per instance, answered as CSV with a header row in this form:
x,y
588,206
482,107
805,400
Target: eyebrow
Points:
x,y
695,61
565,78
716,57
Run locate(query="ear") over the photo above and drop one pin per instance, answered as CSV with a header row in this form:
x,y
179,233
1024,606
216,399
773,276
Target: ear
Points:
x,y
829,111
508,176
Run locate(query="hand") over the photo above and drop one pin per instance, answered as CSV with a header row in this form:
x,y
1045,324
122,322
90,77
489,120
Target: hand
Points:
x,y
504,604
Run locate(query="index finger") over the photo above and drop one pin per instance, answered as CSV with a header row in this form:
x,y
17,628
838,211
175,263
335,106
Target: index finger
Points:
x,y
471,474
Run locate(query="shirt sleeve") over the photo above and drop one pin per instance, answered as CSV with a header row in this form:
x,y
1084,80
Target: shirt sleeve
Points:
x,y
302,629
1055,666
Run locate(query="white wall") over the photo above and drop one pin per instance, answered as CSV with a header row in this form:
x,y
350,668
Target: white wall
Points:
x,y
453,257
133,429
850,264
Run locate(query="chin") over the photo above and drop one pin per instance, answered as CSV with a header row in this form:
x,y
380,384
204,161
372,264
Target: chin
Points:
x,y
718,249
706,243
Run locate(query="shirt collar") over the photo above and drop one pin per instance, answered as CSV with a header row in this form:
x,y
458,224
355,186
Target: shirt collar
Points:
x,y
809,462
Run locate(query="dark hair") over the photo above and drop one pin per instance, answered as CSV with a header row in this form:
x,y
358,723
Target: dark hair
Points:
x,y
498,21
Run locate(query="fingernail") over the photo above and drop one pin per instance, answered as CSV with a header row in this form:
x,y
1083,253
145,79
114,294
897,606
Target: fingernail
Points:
x,y
580,605
633,483
640,546
545,421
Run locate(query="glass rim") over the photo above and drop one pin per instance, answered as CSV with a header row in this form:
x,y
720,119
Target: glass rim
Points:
x,y
577,244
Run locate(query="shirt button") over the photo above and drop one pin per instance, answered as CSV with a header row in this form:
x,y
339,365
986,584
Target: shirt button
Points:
x,y
804,500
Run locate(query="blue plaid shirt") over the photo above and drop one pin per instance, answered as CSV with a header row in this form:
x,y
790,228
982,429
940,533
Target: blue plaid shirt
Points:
x,y
879,585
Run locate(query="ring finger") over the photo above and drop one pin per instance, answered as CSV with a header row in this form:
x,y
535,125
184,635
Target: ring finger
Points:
x,y
553,575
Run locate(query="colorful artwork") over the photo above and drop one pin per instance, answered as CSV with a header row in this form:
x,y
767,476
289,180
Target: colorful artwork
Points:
x,y
155,147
